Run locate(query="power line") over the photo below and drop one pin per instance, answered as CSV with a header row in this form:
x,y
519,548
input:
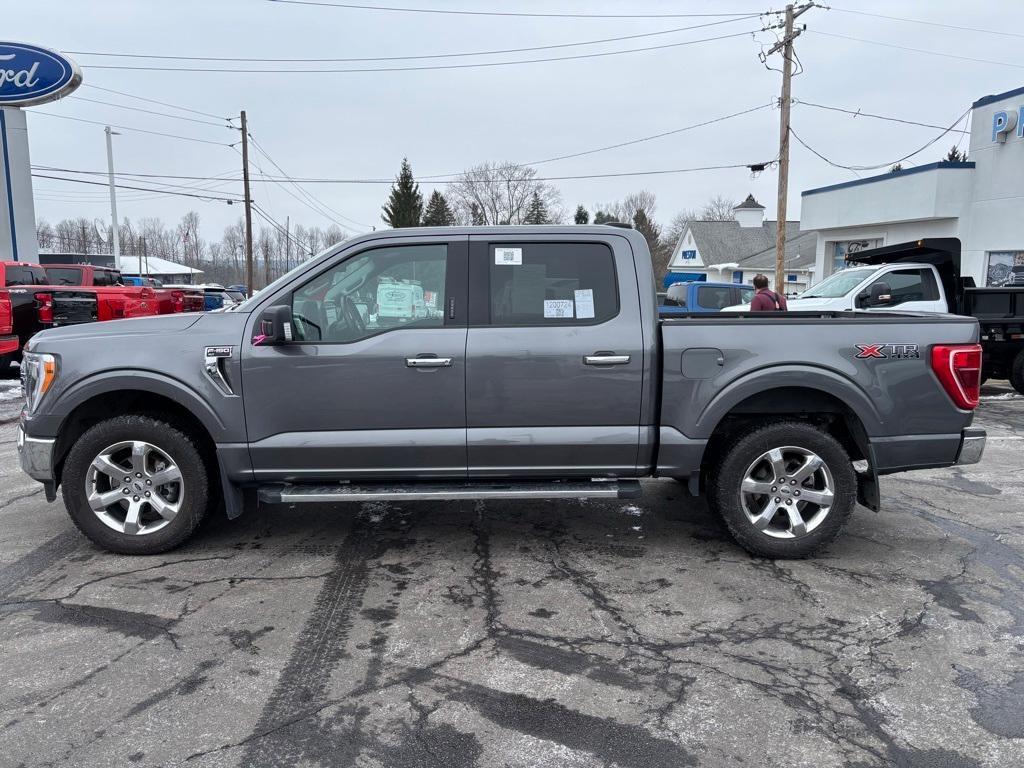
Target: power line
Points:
x,y
880,165
304,193
929,23
152,112
859,113
270,220
154,101
421,56
141,189
394,9
647,138
918,50
135,130
432,67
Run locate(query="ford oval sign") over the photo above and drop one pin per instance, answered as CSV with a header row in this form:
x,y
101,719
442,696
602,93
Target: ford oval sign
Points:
x,y
33,75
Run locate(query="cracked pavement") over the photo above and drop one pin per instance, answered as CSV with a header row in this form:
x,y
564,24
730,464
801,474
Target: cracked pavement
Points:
x,y
588,633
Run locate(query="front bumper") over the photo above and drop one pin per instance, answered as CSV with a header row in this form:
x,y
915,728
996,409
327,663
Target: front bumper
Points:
x,y
36,456
972,446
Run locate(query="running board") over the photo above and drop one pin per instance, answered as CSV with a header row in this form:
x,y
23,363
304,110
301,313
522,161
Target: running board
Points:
x,y
298,494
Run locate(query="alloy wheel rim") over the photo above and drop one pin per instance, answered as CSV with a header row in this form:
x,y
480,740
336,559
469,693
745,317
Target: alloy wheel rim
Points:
x,y
134,488
787,492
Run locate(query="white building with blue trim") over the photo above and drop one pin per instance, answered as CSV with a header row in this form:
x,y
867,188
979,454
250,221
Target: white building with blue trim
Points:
x,y
734,251
980,201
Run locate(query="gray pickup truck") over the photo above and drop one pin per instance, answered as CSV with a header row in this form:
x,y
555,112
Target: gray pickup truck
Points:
x,y
498,362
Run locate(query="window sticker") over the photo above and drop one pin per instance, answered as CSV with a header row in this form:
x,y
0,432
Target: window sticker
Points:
x,y
584,304
508,256
558,308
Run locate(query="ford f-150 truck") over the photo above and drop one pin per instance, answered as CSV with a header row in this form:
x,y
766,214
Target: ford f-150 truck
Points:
x,y
491,362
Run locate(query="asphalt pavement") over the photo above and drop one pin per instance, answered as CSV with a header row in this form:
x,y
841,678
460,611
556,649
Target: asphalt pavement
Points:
x,y
588,633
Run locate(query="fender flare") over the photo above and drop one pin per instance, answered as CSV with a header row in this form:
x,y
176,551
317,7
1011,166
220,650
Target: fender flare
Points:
x,y
789,376
147,381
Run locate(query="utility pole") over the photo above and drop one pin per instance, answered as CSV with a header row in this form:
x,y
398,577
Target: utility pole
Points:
x,y
786,46
287,243
249,285
113,200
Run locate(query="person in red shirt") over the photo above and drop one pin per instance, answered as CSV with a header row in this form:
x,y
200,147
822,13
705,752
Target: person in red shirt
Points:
x,y
766,300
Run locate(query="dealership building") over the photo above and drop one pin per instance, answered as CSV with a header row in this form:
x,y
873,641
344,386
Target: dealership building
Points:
x,y
980,201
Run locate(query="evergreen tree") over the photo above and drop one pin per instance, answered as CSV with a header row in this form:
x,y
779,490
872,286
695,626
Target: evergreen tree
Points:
x,y
896,167
955,155
600,217
537,213
651,231
476,216
582,215
438,213
405,204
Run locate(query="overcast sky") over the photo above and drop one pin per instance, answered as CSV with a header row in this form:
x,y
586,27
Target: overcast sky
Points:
x,y
359,125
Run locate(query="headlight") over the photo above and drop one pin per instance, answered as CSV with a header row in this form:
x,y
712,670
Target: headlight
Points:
x,y
38,372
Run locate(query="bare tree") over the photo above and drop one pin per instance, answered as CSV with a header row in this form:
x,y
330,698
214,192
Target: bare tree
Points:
x,y
718,208
501,193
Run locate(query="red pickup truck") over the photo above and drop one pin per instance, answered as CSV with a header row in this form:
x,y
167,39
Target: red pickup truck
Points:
x,y
114,298
9,344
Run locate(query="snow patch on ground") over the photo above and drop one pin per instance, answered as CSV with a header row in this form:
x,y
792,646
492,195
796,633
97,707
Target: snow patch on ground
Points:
x,y
1004,396
630,509
10,390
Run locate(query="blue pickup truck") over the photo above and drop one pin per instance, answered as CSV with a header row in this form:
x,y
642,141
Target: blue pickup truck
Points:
x,y
699,296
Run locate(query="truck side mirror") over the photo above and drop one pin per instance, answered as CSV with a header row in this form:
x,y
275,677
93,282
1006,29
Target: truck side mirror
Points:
x,y
274,327
880,294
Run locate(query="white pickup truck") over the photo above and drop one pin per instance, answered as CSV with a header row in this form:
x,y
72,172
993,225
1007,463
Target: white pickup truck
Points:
x,y
925,276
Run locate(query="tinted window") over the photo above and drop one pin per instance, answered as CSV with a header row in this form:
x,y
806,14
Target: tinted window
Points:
x,y
746,295
373,292
714,296
103,277
61,276
911,285
25,276
552,284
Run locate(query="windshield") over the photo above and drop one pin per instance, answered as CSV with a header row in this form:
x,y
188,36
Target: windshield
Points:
x,y
839,284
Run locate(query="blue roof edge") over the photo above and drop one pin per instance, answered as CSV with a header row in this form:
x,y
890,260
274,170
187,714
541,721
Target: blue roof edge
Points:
x,y
997,97
942,164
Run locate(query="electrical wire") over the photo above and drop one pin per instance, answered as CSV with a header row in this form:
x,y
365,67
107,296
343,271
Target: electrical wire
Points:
x,y
880,165
432,67
132,129
311,198
928,23
917,50
421,56
154,101
152,112
142,189
859,113
283,230
394,9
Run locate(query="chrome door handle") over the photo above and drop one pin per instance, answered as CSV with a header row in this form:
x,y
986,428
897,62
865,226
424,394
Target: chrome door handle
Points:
x,y
428,362
606,360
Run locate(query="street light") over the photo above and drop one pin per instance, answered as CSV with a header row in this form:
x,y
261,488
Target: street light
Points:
x,y
113,200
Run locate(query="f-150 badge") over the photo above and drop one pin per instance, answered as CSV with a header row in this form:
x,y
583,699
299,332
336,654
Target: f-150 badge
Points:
x,y
888,351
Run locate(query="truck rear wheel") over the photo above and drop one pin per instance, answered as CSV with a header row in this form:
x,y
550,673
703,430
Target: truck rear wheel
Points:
x,y
1017,372
784,490
136,485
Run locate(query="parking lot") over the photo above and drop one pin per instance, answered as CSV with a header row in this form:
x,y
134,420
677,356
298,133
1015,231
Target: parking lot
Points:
x,y
524,634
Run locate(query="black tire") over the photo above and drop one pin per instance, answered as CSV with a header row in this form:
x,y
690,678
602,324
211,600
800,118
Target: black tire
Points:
x,y
724,494
194,500
1017,372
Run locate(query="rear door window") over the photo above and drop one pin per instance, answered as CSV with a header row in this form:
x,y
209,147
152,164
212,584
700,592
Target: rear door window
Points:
x,y
552,284
102,277
24,275
715,297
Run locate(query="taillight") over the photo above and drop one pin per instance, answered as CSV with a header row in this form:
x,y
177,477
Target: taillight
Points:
x,y
178,301
958,368
44,307
6,316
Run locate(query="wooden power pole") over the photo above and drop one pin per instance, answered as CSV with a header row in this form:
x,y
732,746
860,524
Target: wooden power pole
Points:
x,y
786,46
249,286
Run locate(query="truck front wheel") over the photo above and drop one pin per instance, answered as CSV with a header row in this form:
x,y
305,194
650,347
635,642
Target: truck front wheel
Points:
x,y
784,490
1017,372
136,485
